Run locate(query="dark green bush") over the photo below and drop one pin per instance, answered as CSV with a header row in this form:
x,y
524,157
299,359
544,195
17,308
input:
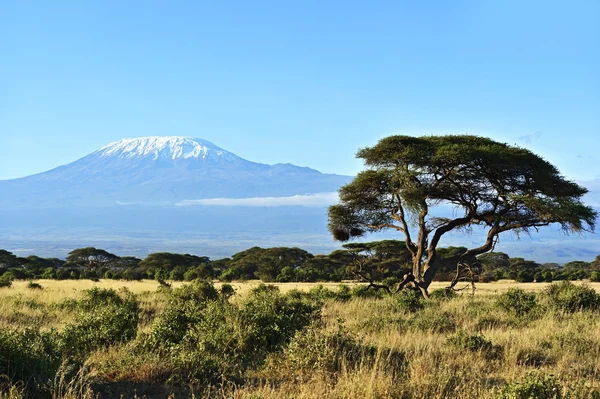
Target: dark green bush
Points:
x,y
103,318
320,293
517,301
410,300
344,293
442,294
314,351
362,291
533,385
475,343
437,322
227,291
34,286
206,338
30,358
568,297
5,281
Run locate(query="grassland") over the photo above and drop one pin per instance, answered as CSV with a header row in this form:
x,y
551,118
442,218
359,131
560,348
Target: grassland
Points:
x,y
508,340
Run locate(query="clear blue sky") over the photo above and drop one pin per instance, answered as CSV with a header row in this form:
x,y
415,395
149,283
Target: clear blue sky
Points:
x,y
306,82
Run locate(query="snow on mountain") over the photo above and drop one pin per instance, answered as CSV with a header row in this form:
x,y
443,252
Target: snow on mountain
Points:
x,y
157,147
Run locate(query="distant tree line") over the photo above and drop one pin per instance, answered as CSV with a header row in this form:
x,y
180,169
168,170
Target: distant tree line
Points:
x,y
384,261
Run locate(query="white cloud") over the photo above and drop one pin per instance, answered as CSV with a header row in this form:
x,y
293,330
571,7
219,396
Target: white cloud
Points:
x,y
320,199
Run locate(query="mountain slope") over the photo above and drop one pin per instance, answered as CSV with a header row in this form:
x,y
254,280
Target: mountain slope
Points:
x,y
156,170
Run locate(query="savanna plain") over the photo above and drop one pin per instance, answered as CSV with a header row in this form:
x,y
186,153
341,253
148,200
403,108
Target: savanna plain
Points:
x,y
149,339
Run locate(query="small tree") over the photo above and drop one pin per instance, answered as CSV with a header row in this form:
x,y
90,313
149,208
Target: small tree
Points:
x,y
490,184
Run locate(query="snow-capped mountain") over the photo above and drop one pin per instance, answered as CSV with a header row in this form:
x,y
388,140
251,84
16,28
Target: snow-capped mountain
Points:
x,y
169,147
159,170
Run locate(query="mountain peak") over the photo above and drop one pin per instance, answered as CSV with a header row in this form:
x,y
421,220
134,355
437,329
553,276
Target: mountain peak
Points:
x,y
163,147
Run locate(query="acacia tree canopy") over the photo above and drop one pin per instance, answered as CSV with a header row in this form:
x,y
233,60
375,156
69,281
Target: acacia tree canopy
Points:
x,y
490,184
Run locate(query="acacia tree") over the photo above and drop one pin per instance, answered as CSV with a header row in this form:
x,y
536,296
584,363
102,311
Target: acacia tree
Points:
x,y
489,184
90,257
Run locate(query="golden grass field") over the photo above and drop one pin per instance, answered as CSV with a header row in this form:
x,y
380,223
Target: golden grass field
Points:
x,y
566,346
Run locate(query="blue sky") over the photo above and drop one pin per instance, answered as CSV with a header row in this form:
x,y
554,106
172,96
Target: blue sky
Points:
x,y
306,82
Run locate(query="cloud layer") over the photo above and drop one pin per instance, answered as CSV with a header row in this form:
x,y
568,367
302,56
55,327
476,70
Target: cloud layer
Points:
x,y
320,199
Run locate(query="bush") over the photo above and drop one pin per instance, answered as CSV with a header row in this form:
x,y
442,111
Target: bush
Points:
x,y
517,301
568,297
343,293
314,351
322,294
103,318
431,320
362,291
441,294
533,385
5,282
34,286
207,339
410,300
227,291
595,276
30,358
475,343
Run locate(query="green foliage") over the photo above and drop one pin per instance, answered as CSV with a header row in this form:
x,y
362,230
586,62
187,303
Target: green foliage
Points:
x,y
442,294
475,343
31,358
5,281
227,291
517,301
410,300
361,291
431,320
90,257
34,286
103,318
321,293
207,338
313,350
533,385
568,297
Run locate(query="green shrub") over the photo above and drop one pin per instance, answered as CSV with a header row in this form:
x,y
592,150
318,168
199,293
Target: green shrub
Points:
x,y
595,276
5,281
103,318
227,291
34,286
30,358
344,293
363,291
410,300
533,385
314,351
434,321
206,338
442,294
568,297
475,343
320,293
517,301
269,319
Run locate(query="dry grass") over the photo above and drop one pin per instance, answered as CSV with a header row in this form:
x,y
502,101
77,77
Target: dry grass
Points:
x,y
564,345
